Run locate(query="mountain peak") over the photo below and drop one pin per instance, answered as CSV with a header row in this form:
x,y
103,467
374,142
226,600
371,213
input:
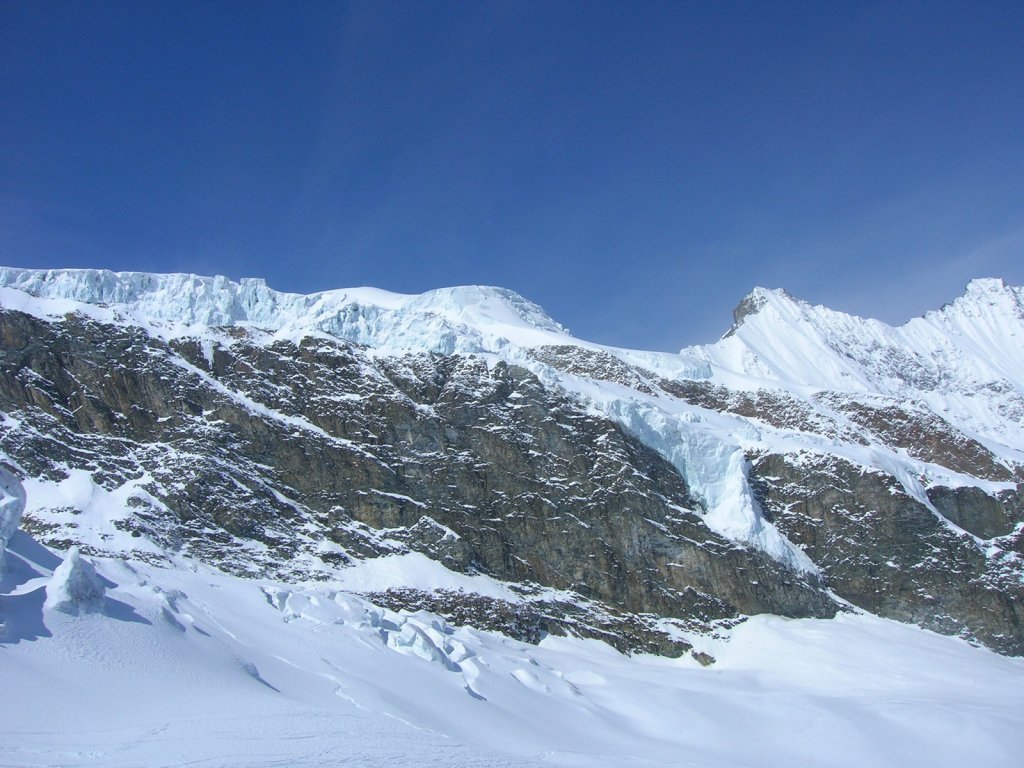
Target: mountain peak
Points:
x,y
980,285
983,296
486,304
754,302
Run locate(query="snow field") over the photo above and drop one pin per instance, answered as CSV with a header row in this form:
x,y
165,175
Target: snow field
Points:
x,y
190,666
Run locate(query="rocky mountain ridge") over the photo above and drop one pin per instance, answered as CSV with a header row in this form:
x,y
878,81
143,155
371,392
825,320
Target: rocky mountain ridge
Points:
x,y
806,463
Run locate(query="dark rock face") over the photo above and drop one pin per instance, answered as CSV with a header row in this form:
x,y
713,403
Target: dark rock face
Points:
x,y
777,409
596,365
972,509
532,620
289,459
750,305
277,459
924,435
889,554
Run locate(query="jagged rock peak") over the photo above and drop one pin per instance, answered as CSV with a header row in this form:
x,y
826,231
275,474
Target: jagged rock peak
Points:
x,y
982,295
754,302
981,285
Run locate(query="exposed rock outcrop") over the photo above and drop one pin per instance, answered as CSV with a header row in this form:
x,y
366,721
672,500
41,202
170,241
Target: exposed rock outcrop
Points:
x,y
292,446
887,553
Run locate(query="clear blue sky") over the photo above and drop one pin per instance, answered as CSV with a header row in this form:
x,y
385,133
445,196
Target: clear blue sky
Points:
x,y
634,167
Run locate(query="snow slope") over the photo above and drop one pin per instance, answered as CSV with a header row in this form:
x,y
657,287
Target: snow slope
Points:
x,y
973,340
470,319
188,666
965,360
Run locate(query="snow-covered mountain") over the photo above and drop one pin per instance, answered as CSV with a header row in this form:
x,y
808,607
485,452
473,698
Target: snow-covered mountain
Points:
x,y
410,473
973,340
965,361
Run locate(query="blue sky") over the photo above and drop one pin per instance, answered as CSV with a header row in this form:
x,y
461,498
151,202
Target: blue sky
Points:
x,y
633,167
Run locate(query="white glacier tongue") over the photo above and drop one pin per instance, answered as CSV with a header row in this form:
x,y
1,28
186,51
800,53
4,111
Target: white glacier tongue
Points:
x,y
715,467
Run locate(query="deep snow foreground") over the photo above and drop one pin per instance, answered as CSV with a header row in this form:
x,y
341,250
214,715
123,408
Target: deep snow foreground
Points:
x,y
188,666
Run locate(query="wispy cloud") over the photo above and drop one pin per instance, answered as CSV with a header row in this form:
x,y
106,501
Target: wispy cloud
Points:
x,y
999,256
